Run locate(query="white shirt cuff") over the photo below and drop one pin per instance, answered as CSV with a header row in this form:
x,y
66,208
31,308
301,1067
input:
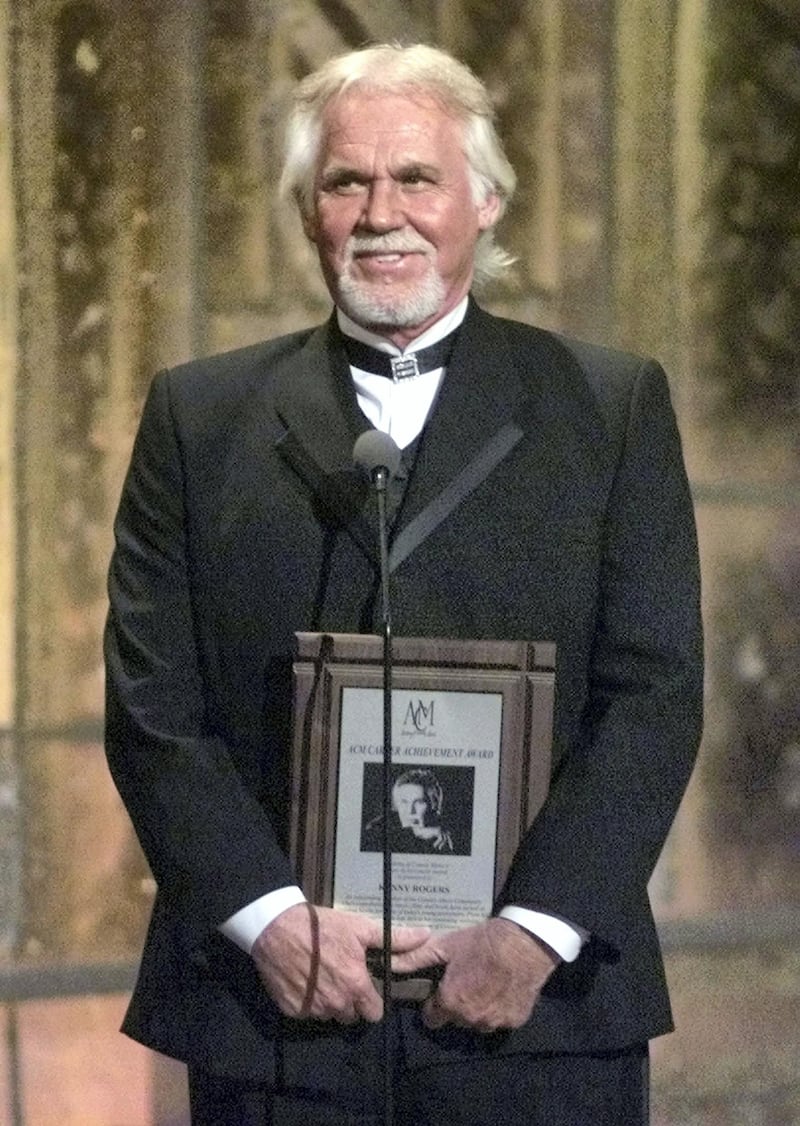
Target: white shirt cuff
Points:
x,y
565,938
246,925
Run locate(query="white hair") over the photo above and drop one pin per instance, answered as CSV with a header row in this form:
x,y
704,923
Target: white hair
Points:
x,y
418,70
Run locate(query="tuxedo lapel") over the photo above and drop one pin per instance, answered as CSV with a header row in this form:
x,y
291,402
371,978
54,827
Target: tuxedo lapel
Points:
x,y
316,402
474,423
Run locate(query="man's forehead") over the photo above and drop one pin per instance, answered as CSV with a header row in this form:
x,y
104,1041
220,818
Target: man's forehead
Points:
x,y
360,118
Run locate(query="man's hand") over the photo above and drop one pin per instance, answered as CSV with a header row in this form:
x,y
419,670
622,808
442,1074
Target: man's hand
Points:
x,y
312,961
494,974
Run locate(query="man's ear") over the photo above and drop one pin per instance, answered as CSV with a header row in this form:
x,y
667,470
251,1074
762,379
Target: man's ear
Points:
x,y
489,211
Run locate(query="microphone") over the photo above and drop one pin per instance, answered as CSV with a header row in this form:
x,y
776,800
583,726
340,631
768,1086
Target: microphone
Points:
x,y
376,454
378,457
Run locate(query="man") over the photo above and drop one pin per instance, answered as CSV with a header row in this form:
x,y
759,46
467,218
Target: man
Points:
x,y
242,521
417,799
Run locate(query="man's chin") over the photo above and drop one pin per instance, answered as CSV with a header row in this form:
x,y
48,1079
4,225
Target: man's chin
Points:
x,y
375,308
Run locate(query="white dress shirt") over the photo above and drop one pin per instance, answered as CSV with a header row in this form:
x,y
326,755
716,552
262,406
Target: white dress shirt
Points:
x,y
400,408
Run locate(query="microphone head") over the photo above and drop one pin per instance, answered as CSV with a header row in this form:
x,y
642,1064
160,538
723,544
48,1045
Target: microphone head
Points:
x,y
375,450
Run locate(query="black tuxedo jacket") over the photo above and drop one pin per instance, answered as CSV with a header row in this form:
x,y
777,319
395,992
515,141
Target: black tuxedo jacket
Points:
x,y
242,521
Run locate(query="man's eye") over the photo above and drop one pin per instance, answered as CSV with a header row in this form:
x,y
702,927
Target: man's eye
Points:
x,y
343,184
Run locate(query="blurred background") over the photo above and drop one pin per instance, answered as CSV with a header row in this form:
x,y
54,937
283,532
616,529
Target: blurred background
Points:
x,y
658,148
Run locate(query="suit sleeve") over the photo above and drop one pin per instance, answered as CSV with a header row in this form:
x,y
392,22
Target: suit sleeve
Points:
x,y
591,851
208,841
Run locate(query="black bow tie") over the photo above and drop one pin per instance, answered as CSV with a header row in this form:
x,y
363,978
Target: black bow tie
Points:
x,y
370,359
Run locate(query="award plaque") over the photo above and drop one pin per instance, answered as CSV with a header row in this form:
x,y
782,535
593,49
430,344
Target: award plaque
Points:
x,y
470,762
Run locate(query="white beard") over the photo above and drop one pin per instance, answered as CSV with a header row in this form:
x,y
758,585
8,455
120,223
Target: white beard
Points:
x,y
400,305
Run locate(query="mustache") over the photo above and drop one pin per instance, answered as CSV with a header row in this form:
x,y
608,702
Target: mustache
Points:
x,y
393,242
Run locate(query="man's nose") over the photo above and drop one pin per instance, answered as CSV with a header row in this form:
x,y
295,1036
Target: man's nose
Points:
x,y
382,207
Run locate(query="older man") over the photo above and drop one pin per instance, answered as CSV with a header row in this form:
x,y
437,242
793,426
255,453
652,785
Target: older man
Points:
x,y
241,522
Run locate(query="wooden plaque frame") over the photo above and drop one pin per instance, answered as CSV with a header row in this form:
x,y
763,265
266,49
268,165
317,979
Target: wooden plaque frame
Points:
x,y
521,673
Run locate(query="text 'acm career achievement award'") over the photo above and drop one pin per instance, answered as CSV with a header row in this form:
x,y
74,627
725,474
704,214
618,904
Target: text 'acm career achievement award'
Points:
x,y
471,744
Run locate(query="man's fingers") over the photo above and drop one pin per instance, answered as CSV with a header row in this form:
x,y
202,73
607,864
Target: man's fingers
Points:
x,y
369,1004
313,962
420,957
402,938
433,1015
409,938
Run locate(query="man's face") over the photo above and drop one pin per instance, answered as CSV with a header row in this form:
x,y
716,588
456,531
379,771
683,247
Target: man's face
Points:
x,y
393,217
411,804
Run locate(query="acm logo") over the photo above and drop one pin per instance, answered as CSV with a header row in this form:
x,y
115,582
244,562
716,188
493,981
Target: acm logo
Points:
x,y
418,718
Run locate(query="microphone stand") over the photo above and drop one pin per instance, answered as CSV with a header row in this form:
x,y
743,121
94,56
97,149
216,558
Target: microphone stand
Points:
x,y
378,455
381,477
